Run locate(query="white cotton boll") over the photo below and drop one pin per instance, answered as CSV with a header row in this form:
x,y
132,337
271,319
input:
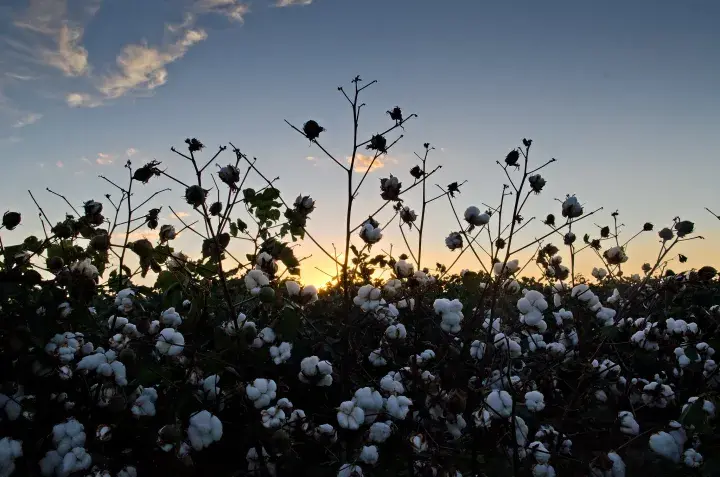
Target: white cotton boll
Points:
x,y
261,392
316,371
10,450
50,462
272,417
599,273
451,314
614,298
370,232
424,357
456,425
154,327
104,363
68,435
350,415
628,424
419,443
510,267
124,300
535,342
392,287
477,349
368,298
293,288
204,429
254,280
119,322
601,395
380,432
556,350
496,324
562,315
170,342
707,406
543,470
369,455
475,217
281,353
534,401
398,406
617,469
392,383
540,452
376,358
171,318
557,300
664,445
74,461
144,404
404,269
500,403
482,418
298,420
657,395
127,471
211,387
511,286
350,470
310,294
326,432
692,458
606,316
396,332
370,401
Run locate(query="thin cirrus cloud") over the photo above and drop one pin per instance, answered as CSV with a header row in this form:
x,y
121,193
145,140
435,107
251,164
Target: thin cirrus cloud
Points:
x,y
131,151
234,10
82,100
290,3
362,162
27,120
104,159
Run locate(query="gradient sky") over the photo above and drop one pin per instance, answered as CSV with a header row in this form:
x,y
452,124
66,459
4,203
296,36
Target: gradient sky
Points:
x,y
623,94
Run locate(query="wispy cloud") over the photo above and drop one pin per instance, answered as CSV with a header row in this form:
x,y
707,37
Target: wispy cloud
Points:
x,y
27,120
235,10
362,162
104,159
70,57
130,152
290,3
82,100
20,77
60,164
142,68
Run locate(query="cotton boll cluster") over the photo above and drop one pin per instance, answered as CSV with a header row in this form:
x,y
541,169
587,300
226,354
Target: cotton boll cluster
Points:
x,y
64,346
305,295
657,395
692,458
254,280
85,268
281,353
599,273
314,371
104,363
531,306
376,358
707,406
510,267
680,327
477,349
69,454
144,403
124,300
615,255
386,313
450,312
424,357
370,231
123,324
668,445
261,392
10,450
368,298
170,342
204,429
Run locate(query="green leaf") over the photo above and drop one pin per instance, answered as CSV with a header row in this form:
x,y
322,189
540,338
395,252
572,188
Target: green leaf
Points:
x,y
242,226
233,229
165,280
172,297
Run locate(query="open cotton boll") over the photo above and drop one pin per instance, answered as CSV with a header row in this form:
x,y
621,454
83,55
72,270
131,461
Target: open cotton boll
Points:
x,y
128,471
64,346
540,452
404,269
692,458
370,401
256,464
210,387
325,432
628,424
144,404
455,425
254,280
510,267
314,371
104,363
261,392
350,415
396,332
368,298
272,417
170,342
657,395
350,470
707,406
392,287
617,468
663,444
124,300
376,358
10,450
171,318
68,435
380,432
75,460
500,403
369,455
281,353
204,429
392,383
477,349
534,401
450,312
293,288
398,406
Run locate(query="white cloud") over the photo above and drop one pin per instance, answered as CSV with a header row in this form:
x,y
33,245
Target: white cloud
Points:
x,y
60,164
235,10
82,100
362,162
27,120
70,57
130,152
143,68
290,3
104,159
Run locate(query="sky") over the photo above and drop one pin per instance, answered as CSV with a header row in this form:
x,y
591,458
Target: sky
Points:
x,y
623,95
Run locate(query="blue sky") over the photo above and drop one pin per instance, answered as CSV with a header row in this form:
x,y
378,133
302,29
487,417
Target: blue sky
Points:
x,y
623,94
